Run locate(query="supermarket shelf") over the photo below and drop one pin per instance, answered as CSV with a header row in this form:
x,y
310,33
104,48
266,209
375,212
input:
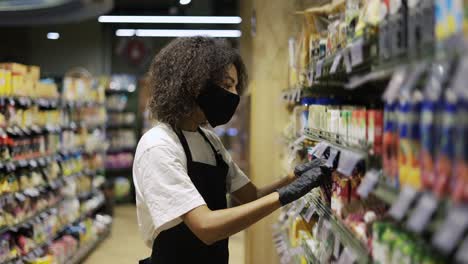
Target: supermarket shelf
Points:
x,y
84,251
346,237
120,150
334,140
79,104
28,220
309,255
26,101
116,169
121,126
385,192
120,91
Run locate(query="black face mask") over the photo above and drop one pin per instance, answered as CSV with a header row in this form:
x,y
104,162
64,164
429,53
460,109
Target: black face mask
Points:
x,y
217,104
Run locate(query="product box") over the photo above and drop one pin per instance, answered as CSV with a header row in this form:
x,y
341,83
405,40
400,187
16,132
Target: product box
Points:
x,y
375,130
5,81
34,72
14,68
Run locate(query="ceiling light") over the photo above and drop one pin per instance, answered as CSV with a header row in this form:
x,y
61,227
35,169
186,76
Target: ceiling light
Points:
x,y
172,19
184,2
53,35
125,32
188,33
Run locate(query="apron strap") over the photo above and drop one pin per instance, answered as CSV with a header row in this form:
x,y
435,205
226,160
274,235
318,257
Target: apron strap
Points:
x,y
185,145
215,152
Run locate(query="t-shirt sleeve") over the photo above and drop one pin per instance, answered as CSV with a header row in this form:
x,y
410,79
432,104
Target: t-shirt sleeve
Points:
x,y
166,187
236,177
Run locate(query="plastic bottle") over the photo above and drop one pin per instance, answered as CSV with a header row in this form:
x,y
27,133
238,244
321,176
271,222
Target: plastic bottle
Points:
x,y
444,163
390,143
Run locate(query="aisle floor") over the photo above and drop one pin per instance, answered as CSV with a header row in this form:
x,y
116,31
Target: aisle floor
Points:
x,y
125,245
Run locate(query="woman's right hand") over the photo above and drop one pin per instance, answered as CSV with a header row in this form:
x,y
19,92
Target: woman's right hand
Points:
x,y
306,181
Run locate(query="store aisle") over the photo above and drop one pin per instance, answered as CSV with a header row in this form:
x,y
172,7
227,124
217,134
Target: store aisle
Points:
x,y
125,246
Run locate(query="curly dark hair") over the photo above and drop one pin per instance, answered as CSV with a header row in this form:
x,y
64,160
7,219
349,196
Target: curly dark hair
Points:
x,y
182,69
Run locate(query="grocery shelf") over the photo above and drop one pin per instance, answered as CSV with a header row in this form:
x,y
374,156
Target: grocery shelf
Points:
x,y
116,169
84,251
346,237
385,192
28,220
334,140
120,150
79,104
121,126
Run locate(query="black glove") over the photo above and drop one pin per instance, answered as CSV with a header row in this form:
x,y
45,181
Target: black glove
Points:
x,y
300,169
301,186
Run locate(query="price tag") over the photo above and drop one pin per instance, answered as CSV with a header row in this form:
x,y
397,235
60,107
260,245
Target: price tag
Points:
x,y
368,183
393,88
331,159
298,94
346,60
336,63
309,212
356,52
337,246
348,161
422,213
320,149
452,230
403,203
462,254
318,69
347,257
310,77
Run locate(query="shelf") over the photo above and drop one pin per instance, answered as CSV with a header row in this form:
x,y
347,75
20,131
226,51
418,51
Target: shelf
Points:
x,y
86,250
121,126
334,140
79,104
126,168
346,237
120,150
385,192
29,219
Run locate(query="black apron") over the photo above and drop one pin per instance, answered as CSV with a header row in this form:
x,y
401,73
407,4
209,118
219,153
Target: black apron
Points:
x,y
178,244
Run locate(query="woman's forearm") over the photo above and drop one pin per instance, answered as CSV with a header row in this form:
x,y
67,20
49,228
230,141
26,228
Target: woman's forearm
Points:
x,y
211,226
265,190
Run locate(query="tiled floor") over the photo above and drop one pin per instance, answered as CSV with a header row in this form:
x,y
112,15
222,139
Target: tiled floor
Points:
x,y
125,245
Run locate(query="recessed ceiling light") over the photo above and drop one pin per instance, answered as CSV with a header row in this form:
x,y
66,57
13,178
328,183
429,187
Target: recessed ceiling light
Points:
x,y
185,2
172,19
53,35
178,33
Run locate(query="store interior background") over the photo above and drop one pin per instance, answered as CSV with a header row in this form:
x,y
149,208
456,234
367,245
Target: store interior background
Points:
x,y
265,28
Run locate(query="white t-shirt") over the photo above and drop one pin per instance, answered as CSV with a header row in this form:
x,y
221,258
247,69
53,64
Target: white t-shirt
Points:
x,y
164,191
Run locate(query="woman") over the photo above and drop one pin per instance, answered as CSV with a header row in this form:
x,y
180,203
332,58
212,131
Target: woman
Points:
x,y
182,172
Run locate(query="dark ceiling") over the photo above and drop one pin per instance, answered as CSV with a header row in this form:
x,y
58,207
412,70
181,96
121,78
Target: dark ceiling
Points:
x,y
172,7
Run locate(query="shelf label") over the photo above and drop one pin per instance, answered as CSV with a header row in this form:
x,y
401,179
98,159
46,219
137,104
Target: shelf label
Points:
x,y
356,52
333,153
452,230
347,257
320,148
336,63
309,212
337,246
422,213
318,69
368,184
462,254
346,60
348,161
310,77
403,203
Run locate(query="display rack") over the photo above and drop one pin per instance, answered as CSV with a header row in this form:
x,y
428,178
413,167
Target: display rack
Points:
x,y
375,68
44,143
122,128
